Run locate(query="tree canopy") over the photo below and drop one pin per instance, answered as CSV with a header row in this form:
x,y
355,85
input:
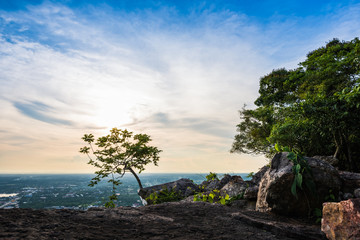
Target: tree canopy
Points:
x,y
314,108
117,153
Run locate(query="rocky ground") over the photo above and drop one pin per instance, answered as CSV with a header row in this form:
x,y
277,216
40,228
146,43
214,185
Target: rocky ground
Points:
x,y
177,220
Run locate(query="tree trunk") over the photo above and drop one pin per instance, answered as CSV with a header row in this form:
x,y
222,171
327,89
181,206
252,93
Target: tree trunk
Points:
x,y
338,150
350,161
136,176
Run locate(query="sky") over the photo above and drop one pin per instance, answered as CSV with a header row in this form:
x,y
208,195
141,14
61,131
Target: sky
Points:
x,y
176,70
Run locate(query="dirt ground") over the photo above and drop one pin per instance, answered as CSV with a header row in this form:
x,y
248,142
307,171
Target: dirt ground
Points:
x,y
178,220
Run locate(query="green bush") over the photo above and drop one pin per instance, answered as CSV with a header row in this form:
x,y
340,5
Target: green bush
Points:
x,y
164,195
213,197
211,176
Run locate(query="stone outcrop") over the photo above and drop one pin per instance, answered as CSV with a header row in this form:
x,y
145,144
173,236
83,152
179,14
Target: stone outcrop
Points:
x,y
258,176
350,181
183,186
341,220
236,186
210,185
333,161
275,187
357,193
251,193
347,196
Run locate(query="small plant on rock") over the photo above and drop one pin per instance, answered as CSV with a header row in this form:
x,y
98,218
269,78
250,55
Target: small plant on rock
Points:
x,y
301,170
164,195
211,176
250,175
212,197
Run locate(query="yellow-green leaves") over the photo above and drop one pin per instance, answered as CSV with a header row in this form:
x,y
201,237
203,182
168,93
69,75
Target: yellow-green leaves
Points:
x,y
165,195
84,149
278,148
89,138
215,197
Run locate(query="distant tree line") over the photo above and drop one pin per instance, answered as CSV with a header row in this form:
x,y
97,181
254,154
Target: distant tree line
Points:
x,y
314,108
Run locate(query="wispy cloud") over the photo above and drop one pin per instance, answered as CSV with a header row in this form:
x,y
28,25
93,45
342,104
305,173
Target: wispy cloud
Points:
x,y
39,111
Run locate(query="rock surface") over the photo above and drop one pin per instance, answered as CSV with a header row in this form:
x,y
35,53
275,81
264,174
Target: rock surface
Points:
x,y
342,220
236,186
350,181
184,186
251,193
333,161
347,196
210,185
275,187
176,220
258,176
357,193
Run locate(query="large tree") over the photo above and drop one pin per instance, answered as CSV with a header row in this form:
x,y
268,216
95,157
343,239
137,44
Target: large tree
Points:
x,y
117,153
314,108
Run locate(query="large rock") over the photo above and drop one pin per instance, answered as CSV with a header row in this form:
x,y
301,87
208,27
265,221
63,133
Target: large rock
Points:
x,y
341,220
236,186
350,181
248,189
333,161
210,185
258,176
275,187
183,186
357,193
251,193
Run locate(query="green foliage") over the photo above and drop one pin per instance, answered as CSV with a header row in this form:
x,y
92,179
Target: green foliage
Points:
x,y
215,196
317,213
314,108
110,204
164,195
301,170
330,197
212,197
250,175
117,153
253,130
211,176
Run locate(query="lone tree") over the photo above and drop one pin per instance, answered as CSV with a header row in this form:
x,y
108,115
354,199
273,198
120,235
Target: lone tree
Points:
x,y
314,108
118,153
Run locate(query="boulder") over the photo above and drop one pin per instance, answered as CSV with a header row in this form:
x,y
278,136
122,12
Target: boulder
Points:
x,y
275,187
208,186
243,204
251,193
347,196
341,220
236,186
357,193
349,181
258,176
183,186
333,161
248,189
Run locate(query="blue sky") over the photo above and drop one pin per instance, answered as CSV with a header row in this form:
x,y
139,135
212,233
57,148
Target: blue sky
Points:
x,y
177,70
